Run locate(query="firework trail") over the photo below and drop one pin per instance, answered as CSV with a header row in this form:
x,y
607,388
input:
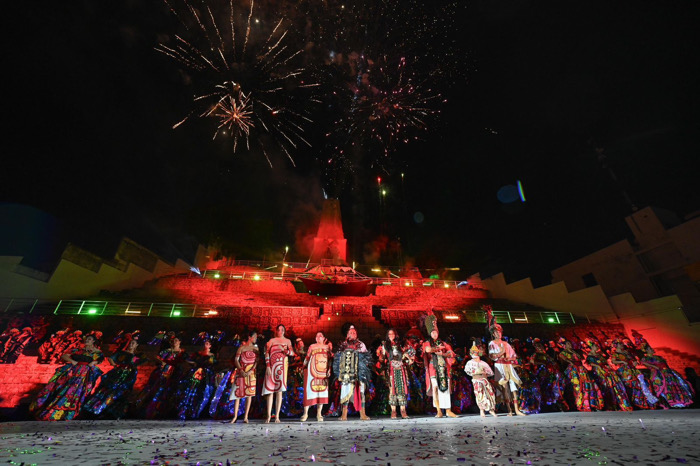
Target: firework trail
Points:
x,y
249,75
384,61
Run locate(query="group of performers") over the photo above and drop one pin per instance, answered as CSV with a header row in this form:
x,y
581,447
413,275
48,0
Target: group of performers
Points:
x,y
396,376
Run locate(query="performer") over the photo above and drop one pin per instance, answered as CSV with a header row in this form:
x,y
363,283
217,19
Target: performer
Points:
x,y
317,370
504,359
197,385
478,370
438,358
63,397
637,388
293,401
614,392
46,350
549,376
669,386
276,352
462,390
154,398
351,366
15,346
113,392
246,362
397,358
585,391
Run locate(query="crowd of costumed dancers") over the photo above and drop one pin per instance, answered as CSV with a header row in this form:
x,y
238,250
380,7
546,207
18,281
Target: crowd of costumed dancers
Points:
x,y
271,375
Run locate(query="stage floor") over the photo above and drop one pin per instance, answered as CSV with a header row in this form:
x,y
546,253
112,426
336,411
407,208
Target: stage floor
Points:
x,y
644,437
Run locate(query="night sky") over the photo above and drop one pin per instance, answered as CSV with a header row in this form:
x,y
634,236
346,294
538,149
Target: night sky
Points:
x,y
538,91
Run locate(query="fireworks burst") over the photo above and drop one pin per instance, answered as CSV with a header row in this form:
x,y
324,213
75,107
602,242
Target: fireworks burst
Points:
x,y
248,73
384,60
388,104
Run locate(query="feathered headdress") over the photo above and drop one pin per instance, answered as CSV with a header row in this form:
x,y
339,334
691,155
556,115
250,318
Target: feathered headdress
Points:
x,y
491,324
430,323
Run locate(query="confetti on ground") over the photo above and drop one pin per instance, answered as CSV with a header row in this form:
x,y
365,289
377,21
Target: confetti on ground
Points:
x,y
539,439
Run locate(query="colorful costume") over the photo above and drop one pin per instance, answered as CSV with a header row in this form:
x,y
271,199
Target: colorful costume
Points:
x,y
154,400
397,359
615,394
462,391
438,372
530,400
585,392
637,389
550,378
196,387
276,368
294,397
63,397
245,380
667,383
351,366
483,391
316,373
504,372
113,392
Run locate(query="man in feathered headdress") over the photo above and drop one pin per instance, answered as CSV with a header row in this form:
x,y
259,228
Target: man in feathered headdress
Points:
x,y
351,366
504,358
438,358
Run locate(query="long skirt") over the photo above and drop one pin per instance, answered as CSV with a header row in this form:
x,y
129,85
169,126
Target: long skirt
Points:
x,y
614,392
638,390
63,397
194,392
112,395
585,391
669,385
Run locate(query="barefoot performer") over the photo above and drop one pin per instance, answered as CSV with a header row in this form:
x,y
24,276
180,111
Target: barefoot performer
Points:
x,y
504,358
317,369
244,380
276,352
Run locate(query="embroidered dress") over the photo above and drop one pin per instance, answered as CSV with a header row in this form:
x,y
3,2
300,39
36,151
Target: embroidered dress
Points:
x,y
196,387
668,384
316,372
462,392
614,391
438,373
584,390
396,364
638,390
154,400
234,385
63,397
483,391
550,378
530,399
112,395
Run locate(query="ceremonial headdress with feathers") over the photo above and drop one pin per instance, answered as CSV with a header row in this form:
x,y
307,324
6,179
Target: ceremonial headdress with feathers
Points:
x,y
491,324
429,323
